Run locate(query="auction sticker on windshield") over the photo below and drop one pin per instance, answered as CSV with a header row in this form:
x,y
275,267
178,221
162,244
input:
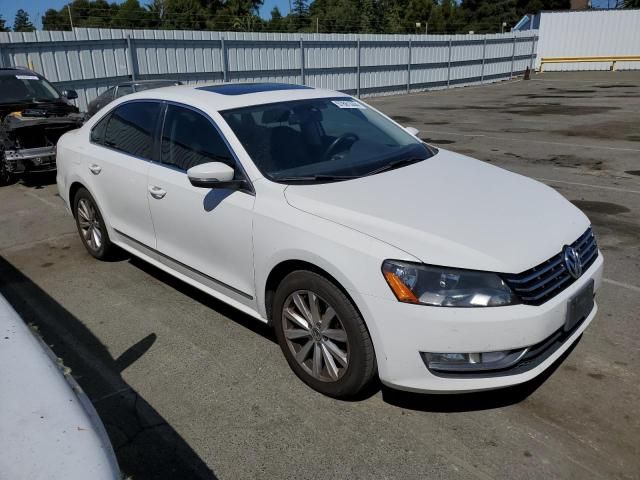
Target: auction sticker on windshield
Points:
x,y
348,104
26,77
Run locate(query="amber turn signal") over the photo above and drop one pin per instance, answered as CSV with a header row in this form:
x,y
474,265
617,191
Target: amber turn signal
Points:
x,y
402,292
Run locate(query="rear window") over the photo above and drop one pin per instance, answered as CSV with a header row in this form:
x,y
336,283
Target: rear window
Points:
x,y
130,128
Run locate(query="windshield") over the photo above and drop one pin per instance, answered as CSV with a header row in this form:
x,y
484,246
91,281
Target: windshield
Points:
x,y
25,88
324,139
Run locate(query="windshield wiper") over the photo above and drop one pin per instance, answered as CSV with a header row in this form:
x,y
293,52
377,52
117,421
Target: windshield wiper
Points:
x,y
395,164
316,178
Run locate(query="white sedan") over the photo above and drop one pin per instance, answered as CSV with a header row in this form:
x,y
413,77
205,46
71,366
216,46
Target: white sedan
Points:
x,y
367,250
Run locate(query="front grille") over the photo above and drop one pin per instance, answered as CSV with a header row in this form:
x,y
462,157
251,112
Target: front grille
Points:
x,y
543,282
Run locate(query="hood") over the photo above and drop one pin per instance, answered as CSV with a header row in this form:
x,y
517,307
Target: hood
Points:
x,y
451,210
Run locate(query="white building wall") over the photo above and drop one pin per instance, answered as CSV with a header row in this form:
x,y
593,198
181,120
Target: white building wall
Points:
x,y
589,33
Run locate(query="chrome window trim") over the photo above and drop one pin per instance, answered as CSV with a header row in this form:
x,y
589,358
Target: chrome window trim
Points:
x,y
158,138
109,113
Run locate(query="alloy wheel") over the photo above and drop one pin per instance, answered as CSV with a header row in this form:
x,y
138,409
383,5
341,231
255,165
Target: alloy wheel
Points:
x,y
89,224
315,335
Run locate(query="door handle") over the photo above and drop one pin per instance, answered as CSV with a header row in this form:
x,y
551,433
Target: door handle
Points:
x,y
157,192
95,169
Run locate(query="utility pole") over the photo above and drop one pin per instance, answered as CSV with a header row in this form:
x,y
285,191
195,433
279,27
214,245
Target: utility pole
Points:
x,y
70,19
426,28
317,24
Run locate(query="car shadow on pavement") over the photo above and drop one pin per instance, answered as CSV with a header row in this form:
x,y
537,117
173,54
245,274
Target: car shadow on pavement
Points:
x,y
146,445
37,180
205,299
475,401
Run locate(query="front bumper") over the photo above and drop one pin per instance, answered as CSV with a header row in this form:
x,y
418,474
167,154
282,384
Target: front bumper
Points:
x,y
402,331
41,159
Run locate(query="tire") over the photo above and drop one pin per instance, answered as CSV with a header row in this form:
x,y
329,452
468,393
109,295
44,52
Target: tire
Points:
x,y
6,178
333,354
91,226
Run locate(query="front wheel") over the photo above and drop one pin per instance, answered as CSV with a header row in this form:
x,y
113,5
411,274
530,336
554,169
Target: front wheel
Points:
x,y
6,178
322,335
91,227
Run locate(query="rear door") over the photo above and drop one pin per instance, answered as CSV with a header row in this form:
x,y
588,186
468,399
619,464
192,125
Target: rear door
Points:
x,y
118,159
208,230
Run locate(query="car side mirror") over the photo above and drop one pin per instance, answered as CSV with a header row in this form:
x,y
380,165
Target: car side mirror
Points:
x,y
70,94
412,131
213,175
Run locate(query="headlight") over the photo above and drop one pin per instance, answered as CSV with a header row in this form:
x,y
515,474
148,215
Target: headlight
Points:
x,y
446,287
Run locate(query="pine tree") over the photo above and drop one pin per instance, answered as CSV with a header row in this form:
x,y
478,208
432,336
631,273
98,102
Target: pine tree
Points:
x,y
22,22
3,28
300,8
368,19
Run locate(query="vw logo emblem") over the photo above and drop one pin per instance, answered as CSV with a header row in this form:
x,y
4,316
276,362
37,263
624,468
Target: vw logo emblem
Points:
x,y
572,261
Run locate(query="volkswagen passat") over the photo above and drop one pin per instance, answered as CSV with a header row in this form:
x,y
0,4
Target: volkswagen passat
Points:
x,y
367,250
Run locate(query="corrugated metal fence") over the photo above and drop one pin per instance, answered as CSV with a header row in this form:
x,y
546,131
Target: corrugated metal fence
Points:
x,y
91,60
589,33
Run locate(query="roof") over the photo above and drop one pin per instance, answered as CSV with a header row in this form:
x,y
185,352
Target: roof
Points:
x,y
143,82
217,97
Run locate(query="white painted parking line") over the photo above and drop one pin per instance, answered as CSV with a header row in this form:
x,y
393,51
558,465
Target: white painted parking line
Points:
x,y
628,286
590,185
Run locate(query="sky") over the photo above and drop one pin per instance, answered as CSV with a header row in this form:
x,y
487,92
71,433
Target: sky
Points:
x,y
36,8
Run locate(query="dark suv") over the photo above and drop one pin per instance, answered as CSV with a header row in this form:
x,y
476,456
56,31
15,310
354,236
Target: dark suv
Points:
x,y
33,115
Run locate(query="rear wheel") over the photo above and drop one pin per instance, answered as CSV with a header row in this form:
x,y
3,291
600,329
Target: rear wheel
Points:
x,y
6,177
322,335
91,227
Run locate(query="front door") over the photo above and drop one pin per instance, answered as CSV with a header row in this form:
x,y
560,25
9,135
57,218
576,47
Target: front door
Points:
x,y
207,230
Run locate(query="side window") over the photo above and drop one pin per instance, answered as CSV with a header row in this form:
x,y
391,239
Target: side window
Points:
x,y
189,139
131,127
124,90
97,132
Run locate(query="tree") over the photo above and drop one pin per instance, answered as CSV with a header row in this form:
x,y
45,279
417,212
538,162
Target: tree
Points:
x,y
22,22
437,23
417,11
369,17
336,16
391,19
3,28
131,14
277,23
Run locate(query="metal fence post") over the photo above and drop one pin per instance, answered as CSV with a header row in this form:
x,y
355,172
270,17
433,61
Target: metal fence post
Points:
x,y
532,61
131,57
302,61
409,69
449,65
358,68
513,56
223,60
484,56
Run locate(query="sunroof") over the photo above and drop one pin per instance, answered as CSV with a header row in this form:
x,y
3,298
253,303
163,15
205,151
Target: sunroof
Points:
x,y
244,88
